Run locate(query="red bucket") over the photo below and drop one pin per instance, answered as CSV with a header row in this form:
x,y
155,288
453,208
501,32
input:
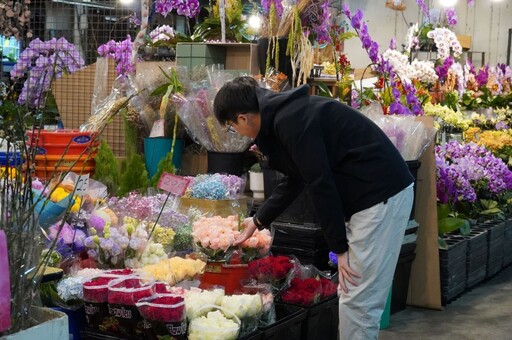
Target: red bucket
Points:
x,y
226,275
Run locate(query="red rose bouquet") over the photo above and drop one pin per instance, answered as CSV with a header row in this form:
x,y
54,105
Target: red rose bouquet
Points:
x,y
329,288
275,270
95,303
304,292
166,315
123,293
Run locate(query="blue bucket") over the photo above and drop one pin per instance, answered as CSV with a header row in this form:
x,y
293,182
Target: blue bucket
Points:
x,y
157,148
10,159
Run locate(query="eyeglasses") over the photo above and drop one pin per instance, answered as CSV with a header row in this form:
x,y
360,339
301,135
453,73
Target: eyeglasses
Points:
x,y
229,127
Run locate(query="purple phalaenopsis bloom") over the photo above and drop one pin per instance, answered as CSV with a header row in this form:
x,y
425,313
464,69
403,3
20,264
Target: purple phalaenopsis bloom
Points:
x,y
371,46
424,9
397,108
42,62
483,76
392,43
442,70
471,2
462,170
266,4
121,53
134,20
451,17
188,8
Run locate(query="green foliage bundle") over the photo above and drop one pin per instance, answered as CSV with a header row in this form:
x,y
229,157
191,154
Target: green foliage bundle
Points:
x,y
107,168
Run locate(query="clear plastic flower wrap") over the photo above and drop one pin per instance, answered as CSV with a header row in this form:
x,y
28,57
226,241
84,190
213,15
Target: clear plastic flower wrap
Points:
x,y
410,136
196,300
214,322
246,307
196,112
123,294
265,290
166,315
152,85
101,115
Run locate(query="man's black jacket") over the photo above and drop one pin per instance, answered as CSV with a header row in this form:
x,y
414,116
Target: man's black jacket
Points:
x,y
344,161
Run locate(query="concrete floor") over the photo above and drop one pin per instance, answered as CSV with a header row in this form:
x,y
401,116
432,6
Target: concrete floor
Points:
x,y
482,313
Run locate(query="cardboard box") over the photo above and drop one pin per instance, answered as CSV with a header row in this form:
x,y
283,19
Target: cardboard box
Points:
x,y
223,208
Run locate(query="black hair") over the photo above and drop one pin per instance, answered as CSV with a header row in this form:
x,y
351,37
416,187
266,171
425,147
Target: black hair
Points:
x,y
236,96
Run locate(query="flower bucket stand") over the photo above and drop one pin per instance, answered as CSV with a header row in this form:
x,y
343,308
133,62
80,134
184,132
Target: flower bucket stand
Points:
x,y
52,324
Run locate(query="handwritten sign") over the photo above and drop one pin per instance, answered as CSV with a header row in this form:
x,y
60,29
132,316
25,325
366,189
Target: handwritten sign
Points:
x,y
174,184
81,184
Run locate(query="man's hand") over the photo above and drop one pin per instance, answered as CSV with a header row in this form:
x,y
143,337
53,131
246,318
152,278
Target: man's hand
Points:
x,y
345,272
249,229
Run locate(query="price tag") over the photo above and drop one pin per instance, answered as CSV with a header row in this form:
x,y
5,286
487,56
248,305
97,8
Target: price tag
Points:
x,y
81,184
174,184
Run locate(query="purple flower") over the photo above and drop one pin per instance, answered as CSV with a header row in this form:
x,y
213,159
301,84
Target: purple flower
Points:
x,y
462,170
42,62
333,258
121,53
501,125
355,21
451,17
424,9
392,43
483,76
96,222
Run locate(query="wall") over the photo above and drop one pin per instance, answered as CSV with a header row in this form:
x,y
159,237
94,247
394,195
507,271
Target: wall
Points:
x,y
488,22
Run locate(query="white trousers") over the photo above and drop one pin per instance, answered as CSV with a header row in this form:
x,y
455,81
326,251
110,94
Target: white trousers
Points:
x,y
375,237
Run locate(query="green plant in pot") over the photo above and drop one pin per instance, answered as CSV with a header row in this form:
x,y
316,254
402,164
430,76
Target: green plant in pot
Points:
x,y
210,28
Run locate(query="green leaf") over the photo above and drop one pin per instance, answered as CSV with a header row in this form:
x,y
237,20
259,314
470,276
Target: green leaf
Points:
x,y
465,229
449,224
441,242
324,90
443,210
160,90
492,211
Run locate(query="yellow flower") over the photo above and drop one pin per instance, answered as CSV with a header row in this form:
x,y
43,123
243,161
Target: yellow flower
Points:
x,y
76,206
58,195
163,235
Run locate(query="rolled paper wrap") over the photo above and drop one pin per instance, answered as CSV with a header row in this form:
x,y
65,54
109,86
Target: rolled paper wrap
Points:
x,y
48,212
5,292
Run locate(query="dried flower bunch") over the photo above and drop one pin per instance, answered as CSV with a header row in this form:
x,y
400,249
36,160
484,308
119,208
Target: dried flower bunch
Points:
x,y
15,18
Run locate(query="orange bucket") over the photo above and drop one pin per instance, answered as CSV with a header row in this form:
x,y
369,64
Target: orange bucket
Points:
x,y
43,172
223,274
60,137
50,161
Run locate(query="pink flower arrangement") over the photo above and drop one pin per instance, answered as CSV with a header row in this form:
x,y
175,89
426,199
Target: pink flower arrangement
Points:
x,y
215,236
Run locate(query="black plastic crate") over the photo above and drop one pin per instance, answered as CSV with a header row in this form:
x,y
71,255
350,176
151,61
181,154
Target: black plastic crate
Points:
x,y
304,236
400,285
322,320
289,323
319,258
452,263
